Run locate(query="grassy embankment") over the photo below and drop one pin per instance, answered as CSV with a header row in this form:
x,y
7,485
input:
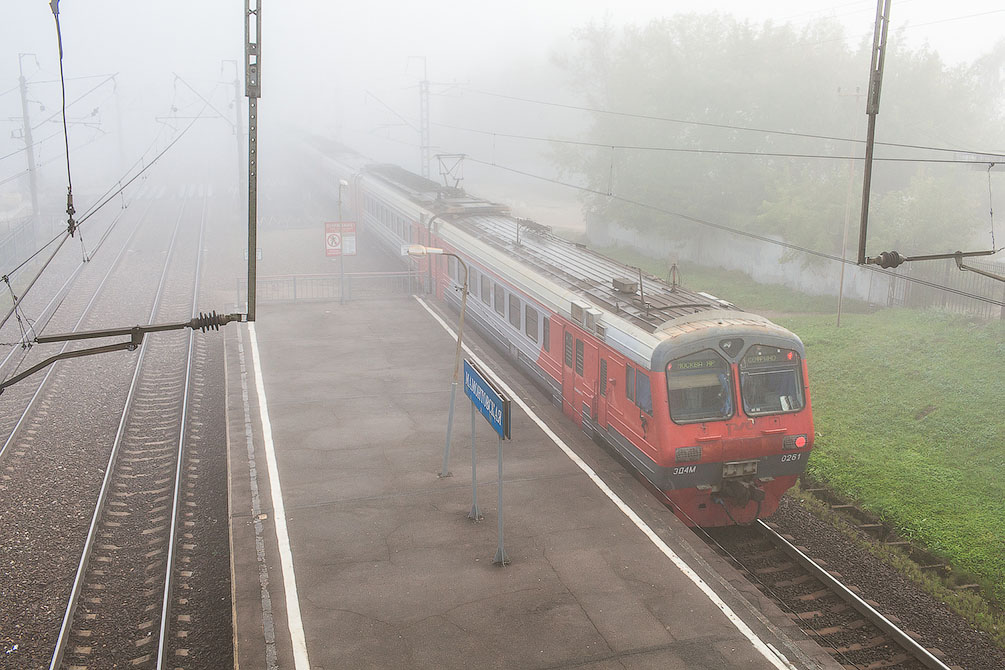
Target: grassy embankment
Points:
x,y
909,408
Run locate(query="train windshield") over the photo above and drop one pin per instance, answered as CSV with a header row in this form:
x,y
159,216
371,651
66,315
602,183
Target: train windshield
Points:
x,y
700,388
771,381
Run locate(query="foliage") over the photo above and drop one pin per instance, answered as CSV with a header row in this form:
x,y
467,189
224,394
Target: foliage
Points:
x,y
715,74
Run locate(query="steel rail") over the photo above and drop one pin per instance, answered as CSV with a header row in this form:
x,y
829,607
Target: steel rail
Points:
x,y
78,581
86,312
172,537
896,634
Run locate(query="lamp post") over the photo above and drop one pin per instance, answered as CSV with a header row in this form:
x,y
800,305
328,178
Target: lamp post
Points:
x,y
342,183
418,251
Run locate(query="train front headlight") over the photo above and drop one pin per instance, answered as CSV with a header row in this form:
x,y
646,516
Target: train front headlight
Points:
x,y
687,454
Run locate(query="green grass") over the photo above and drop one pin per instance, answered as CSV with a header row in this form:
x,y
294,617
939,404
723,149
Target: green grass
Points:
x,y
909,407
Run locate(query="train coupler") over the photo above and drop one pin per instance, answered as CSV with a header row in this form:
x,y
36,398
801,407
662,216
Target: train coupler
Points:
x,y
741,492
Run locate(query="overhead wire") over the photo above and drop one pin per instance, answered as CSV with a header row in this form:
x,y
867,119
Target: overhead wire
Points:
x,y
954,18
737,231
71,225
906,27
107,78
16,175
34,144
687,150
726,126
122,187
62,237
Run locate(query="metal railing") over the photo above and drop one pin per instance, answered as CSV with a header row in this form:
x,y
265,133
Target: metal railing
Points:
x,y
322,287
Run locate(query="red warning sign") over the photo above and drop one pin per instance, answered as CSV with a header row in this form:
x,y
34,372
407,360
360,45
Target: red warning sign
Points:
x,y
340,238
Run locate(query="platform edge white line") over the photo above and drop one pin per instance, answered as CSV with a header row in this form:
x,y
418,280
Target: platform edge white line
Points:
x,y
773,657
293,617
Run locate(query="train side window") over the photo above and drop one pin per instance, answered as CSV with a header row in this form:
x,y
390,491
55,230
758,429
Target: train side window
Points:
x,y
500,295
452,267
472,278
579,357
514,311
530,322
603,376
568,350
643,393
486,290
630,382
546,334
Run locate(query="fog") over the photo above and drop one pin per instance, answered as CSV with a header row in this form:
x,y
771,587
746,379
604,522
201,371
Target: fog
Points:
x,y
351,70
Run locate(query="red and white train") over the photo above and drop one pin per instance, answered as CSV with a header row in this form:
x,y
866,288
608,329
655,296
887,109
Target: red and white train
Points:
x,y
711,404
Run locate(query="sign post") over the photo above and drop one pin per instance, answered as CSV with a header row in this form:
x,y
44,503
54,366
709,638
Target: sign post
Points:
x,y
474,514
340,240
494,405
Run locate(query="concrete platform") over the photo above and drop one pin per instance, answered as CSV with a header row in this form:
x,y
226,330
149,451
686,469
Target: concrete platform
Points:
x,y
336,487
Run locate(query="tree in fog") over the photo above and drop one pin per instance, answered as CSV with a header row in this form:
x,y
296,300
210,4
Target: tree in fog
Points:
x,y
716,75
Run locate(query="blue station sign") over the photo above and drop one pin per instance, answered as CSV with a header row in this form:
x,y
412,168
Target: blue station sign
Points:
x,y
487,399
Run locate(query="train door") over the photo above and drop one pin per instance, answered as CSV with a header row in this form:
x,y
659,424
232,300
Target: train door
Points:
x,y
601,397
587,402
568,374
638,415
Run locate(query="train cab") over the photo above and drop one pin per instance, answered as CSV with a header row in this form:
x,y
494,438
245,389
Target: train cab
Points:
x,y
738,420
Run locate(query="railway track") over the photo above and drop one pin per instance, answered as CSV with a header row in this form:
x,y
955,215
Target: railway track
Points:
x,y
123,583
834,615
101,569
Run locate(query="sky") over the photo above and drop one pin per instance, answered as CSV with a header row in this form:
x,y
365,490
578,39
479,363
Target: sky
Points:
x,y
318,58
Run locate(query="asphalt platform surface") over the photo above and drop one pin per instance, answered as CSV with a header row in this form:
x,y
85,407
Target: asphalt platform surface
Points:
x,y
374,562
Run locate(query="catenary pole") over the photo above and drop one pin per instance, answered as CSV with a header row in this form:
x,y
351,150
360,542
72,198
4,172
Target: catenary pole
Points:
x,y
872,110
252,88
238,131
29,144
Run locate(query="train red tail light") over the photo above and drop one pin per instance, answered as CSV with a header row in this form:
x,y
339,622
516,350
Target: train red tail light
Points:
x,y
794,442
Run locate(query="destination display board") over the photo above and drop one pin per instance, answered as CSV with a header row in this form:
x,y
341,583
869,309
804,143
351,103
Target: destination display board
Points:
x,y
701,361
488,399
760,356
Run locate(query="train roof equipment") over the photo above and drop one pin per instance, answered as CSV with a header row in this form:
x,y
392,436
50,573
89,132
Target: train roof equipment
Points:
x,y
644,300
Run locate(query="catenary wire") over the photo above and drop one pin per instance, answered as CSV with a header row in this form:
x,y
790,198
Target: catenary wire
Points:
x,y
34,144
721,152
62,237
80,97
16,175
71,225
736,231
649,117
